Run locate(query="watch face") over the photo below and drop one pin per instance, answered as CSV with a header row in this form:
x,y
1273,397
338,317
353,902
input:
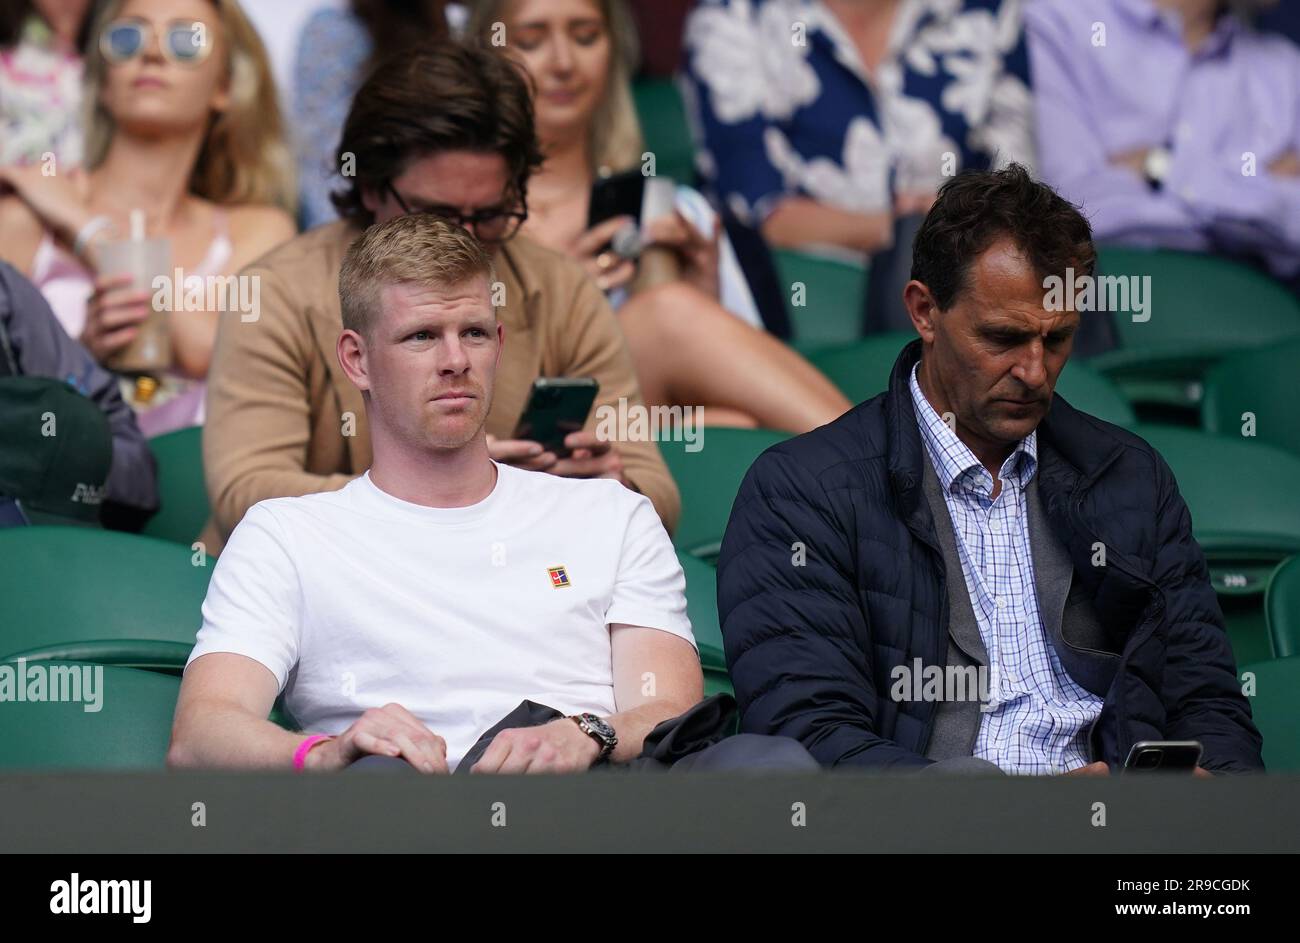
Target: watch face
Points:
x,y
1157,163
603,729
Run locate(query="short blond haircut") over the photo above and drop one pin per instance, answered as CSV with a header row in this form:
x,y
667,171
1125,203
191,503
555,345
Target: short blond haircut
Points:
x,y
419,249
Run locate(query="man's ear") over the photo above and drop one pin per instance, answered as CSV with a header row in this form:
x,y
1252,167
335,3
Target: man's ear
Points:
x,y
921,308
351,350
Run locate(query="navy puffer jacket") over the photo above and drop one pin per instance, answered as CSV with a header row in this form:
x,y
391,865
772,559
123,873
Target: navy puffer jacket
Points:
x,y
811,647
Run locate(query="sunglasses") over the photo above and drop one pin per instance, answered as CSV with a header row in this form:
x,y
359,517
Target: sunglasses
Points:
x,y
184,42
491,226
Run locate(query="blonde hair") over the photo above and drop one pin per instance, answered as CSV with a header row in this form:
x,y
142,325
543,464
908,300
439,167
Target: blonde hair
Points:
x,y
615,141
244,157
418,248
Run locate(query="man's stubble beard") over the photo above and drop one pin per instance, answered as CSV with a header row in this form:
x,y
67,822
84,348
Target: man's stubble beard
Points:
x,y
433,440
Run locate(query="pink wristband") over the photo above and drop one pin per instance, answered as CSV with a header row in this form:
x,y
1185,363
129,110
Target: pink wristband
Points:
x,y
300,754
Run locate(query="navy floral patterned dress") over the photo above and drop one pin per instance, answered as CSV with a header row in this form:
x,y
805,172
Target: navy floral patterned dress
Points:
x,y
782,104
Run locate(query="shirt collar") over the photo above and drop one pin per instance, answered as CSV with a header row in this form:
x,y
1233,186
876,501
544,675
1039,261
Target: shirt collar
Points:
x,y
909,15
955,464
1226,28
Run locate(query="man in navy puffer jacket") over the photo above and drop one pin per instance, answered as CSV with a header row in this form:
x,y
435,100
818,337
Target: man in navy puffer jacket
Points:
x,y
967,524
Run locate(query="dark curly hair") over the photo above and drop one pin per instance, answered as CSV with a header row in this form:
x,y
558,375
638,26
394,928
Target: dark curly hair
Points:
x,y
397,25
977,208
446,96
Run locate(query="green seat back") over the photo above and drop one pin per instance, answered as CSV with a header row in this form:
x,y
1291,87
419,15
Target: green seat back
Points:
x,y
1260,382
824,297
69,586
1094,393
151,654
1242,495
130,730
663,124
1201,308
1275,705
717,681
1282,604
183,508
702,609
1245,515
861,370
709,479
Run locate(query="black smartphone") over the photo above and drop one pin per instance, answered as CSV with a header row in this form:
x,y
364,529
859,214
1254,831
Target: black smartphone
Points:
x,y
1164,756
557,407
616,195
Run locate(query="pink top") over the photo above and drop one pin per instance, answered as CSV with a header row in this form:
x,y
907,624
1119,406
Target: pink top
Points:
x,y
66,284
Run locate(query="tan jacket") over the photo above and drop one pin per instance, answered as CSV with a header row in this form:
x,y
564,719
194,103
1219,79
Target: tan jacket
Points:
x,y
283,419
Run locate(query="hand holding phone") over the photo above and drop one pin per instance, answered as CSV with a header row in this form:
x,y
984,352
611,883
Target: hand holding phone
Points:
x,y
557,407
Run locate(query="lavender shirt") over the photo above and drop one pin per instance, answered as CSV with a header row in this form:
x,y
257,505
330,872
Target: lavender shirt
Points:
x,y
1238,94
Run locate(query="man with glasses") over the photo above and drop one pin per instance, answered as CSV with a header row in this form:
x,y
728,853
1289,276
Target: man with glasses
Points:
x,y
448,131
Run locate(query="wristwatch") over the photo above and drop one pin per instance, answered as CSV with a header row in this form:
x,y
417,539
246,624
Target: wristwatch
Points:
x,y
1156,166
599,731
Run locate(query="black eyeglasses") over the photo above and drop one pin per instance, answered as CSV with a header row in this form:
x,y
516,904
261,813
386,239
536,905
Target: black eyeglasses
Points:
x,y
491,226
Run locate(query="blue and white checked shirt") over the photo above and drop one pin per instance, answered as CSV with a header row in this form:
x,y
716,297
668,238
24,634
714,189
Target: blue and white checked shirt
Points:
x,y
1038,717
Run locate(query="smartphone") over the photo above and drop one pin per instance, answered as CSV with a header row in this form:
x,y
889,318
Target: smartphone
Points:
x,y
616,195
557,407
1164,756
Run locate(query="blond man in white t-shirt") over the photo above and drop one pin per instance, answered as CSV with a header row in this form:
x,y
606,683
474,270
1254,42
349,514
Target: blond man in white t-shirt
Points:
x,y
406,614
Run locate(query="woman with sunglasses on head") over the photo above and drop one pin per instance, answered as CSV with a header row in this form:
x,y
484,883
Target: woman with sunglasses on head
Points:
x,y
40,80
183,143
689,346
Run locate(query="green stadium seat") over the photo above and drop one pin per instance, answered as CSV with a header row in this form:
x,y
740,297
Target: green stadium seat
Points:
x,y
1202,308
1245,515
1242,494
702,609
1093,393
130,730
184,498
717,681
1282,605
861,369
118,598
1275,705
151,654
709,479
665,129
1261,382
827,310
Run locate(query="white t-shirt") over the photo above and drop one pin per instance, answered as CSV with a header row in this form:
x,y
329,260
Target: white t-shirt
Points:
x,y
355,598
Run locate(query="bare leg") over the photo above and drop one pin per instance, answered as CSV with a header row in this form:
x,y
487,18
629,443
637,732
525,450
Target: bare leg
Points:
x,y
689,351
722,416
